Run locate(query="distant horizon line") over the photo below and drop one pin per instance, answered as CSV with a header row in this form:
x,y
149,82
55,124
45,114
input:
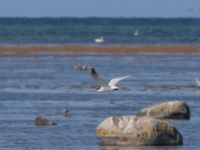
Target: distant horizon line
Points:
x,y
93,17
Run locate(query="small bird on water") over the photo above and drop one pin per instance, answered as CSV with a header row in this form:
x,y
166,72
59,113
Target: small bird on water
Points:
x,y
66,112
104,86
136,33
99,40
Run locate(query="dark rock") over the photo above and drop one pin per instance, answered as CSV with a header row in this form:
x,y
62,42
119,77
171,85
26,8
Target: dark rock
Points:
x,y
40,121
79,67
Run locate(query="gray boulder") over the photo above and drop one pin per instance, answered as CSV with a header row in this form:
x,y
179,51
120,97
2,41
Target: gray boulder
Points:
x,y
167,110
137,131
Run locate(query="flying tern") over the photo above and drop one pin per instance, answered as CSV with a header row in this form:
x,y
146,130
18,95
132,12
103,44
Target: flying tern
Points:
x,y
107,86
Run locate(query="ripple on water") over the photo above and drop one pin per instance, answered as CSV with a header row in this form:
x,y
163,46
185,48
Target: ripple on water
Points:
x,y
46,84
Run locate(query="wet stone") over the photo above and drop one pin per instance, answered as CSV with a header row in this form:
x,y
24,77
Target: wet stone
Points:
x,y
40,121
137,131
167,110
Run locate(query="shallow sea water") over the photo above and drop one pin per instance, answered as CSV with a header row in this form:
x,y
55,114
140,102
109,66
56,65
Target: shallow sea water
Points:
x,y
45,83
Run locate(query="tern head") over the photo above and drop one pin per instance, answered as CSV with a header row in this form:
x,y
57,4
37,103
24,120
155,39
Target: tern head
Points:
x,y
103,89
99,89
95,89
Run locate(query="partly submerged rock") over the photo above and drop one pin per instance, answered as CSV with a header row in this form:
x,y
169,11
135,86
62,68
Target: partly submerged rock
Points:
x,y
167,110
39,121
137,131
79,67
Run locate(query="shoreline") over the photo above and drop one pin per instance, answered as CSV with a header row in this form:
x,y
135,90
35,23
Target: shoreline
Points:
x,y
84,48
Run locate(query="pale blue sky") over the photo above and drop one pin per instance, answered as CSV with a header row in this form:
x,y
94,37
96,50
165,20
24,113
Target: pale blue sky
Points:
x,y
99,8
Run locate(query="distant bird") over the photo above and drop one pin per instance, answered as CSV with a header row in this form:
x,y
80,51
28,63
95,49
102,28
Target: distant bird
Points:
x,y
197,82
99,40
136,33
66,112
107,86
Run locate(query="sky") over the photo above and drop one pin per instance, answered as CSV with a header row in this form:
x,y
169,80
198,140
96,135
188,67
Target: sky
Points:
x,y
99,8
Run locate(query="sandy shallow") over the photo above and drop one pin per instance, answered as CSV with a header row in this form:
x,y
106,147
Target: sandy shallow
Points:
x,y
175,48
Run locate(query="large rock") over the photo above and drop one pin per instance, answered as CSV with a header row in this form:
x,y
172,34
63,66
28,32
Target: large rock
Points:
x,y
137,131
167,110
40,121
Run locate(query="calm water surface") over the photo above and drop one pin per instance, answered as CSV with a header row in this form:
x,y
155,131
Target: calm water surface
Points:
x,y
85,30
44,84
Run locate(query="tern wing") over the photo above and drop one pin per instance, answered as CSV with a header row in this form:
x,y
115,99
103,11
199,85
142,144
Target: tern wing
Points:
x,y
102,82
114,81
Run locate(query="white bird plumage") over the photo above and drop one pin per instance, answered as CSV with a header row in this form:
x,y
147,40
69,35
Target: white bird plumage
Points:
x,y
99,40
113,82
107,86
104,86
136,33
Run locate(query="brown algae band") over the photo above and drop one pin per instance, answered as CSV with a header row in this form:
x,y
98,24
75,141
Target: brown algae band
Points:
x,y
174,48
